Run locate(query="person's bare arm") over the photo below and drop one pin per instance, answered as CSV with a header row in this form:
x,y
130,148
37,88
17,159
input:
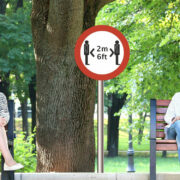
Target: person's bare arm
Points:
x,y
175,119
3,122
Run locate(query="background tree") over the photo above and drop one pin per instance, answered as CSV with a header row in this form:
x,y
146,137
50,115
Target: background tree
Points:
x,y
113,122
4,84
16,53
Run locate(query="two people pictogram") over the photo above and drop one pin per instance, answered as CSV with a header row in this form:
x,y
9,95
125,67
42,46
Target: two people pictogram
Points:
x,y
115,52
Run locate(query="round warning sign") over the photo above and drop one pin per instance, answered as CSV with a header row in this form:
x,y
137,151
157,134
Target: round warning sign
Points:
x,y
102,52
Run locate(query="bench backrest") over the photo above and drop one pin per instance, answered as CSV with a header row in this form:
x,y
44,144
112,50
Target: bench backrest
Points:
x,y
161,109
158,111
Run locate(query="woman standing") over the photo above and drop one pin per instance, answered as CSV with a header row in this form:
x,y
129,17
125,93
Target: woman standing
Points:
x,y
10,164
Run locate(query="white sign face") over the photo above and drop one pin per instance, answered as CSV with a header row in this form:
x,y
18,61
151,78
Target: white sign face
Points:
x,y
102,52
102,57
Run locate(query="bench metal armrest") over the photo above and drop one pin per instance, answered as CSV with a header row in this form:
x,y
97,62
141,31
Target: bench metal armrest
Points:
x,y
153,119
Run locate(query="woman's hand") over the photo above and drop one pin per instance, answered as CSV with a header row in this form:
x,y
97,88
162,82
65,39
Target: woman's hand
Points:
x,y
175,119
2,121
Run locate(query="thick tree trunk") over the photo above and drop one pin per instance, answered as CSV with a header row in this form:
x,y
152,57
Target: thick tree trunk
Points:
x,y
24,117
113,124
65,96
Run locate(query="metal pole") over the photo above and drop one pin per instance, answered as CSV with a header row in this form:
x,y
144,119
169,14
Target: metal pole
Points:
x,y
100,117
130,150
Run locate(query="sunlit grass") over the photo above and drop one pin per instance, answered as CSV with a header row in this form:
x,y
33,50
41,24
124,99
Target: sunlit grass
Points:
x,y
141,160
123,137
141,164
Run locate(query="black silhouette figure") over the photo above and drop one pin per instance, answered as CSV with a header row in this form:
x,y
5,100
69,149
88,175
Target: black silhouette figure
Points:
x,y
117,51
86,51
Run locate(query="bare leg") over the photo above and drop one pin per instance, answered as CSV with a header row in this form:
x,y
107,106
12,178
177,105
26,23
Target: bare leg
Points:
x,y
4,148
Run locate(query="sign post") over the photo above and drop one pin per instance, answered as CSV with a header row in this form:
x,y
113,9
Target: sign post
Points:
x,y
101,53
100,118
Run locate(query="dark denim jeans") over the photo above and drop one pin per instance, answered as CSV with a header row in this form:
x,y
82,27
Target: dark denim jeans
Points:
x,y
173,132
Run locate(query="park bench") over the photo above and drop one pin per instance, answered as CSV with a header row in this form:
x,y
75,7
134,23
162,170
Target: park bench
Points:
x,y
158,109
9,175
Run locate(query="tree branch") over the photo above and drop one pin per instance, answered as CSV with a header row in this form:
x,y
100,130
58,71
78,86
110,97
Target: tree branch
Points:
x,y
101,3
91,9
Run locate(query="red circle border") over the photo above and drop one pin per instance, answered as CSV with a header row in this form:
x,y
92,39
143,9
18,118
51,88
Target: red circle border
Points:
x,y
102,76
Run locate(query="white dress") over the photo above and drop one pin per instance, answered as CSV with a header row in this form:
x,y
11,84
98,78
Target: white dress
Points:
x,y
4,112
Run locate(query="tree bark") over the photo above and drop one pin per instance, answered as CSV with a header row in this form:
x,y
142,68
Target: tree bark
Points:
x,y
91,9
113,124
65,96
24,117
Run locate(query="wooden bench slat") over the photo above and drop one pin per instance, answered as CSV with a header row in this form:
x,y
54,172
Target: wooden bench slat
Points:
x,y
160,134
165,141
162,102
160,125
159,118
161,110
166,147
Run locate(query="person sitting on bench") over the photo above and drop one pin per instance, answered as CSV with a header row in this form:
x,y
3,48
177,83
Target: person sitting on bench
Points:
x,y
10,164
172,118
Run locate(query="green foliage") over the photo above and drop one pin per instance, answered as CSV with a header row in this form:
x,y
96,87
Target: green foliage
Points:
x,y
16,48
152,29
24,152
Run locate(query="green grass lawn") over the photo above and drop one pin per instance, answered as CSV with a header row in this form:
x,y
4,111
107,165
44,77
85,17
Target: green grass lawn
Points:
x,y
141,159
141,164
123,137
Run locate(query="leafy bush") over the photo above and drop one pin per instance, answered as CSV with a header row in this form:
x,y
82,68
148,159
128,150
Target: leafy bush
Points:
x,y
24,152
